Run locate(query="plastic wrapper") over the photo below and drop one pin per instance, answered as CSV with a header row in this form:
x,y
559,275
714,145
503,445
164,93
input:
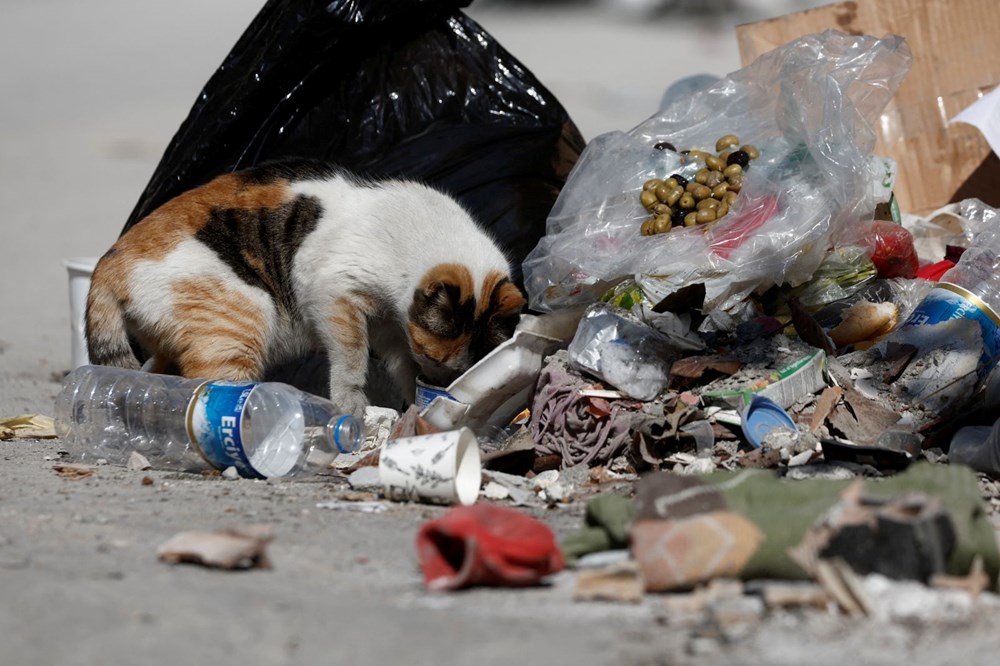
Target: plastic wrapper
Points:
x,y
808,106
893,251
978,217
841,274
411,89
635,358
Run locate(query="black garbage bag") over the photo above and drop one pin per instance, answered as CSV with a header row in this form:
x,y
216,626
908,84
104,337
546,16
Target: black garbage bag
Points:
x,y
394,88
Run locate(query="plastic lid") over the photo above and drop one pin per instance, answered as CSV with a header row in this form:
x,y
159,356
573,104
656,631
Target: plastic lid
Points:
x,y
348,433
762,416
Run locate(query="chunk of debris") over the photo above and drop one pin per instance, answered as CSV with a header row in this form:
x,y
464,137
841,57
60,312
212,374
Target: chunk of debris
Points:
x,y
27,426
236,548
617,582
71,471
138,462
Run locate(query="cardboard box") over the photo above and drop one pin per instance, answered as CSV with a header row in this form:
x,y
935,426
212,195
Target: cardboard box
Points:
x,y
956,60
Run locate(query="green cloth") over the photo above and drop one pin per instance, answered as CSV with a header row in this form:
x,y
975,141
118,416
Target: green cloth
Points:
x,y
784,510
607,524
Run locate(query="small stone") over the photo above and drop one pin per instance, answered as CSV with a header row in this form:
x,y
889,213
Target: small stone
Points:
x,y
364,478
554,493
495,491
101,462
147,480
230,473
137,462
545,479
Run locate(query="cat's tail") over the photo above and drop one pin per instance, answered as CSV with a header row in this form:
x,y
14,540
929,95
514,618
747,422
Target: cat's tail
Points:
x,y
107,336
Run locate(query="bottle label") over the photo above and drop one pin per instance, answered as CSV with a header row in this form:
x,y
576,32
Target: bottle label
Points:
x,y
215,420
948,301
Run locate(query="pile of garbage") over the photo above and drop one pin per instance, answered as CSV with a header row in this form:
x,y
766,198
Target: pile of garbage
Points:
x,y
743,357
767,395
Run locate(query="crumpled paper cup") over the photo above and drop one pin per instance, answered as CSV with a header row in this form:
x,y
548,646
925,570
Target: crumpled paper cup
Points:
x,y
440,468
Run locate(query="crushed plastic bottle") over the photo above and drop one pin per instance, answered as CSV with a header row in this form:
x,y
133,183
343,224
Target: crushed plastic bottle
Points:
x,y
970,290
264,430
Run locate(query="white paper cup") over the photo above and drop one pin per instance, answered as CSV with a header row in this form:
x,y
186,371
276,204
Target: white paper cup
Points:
x,y
80,271
442,468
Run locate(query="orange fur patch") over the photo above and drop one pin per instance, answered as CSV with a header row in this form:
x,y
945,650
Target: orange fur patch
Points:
x,y
434,347
180,218
455,274
349,321
218,332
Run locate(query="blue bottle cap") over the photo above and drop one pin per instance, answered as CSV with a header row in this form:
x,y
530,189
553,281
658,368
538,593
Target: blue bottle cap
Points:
x,y
762,416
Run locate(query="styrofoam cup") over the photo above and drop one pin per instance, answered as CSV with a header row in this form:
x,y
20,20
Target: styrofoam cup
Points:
x,y
80,271
441,468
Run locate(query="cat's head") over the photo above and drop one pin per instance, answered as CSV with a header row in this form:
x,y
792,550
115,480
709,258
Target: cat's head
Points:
x,y
453,322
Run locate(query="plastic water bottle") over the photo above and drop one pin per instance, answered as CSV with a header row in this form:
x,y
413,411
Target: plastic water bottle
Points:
x,y
971,289
264,429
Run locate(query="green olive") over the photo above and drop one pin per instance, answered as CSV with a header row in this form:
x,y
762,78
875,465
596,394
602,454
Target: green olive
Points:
x,y
671,183
661,209
648,199
736,182
675,195
705,215
662,192
690,187
720,190
726,142
752,151
701,176
724,157
661,224
729,197
652,184
721,210
707,203
702,192
686,202
714,178
691,219
699,154
714,163
732,169
647,227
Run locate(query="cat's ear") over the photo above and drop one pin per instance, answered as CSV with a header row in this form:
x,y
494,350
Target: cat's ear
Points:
x,y
508,300
503,303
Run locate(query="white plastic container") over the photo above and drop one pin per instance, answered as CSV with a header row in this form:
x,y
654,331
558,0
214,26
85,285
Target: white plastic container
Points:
x,y
80,271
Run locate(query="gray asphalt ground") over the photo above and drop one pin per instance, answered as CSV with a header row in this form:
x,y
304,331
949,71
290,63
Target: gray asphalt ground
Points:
x,y
90,94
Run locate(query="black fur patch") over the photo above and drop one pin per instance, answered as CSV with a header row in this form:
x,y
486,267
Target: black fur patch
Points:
x,y
440,311
267,237
491,329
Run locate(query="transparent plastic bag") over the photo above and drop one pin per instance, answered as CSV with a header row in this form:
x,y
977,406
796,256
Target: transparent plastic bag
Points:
x,y
808,106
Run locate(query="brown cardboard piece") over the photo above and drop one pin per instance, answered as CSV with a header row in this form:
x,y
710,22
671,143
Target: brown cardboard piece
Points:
x,y
956,60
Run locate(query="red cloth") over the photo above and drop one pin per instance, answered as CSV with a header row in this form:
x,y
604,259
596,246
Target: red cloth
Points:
x,y
934,272
488,545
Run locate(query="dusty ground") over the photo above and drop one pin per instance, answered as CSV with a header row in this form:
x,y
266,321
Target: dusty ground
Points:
x,y
92,93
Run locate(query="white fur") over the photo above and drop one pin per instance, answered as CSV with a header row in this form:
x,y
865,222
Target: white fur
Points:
x,y
381,240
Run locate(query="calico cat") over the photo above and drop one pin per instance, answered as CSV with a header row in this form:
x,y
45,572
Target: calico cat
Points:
x,y
266,265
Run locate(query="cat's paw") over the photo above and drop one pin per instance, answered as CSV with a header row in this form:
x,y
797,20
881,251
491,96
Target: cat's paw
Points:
x,y
349,400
